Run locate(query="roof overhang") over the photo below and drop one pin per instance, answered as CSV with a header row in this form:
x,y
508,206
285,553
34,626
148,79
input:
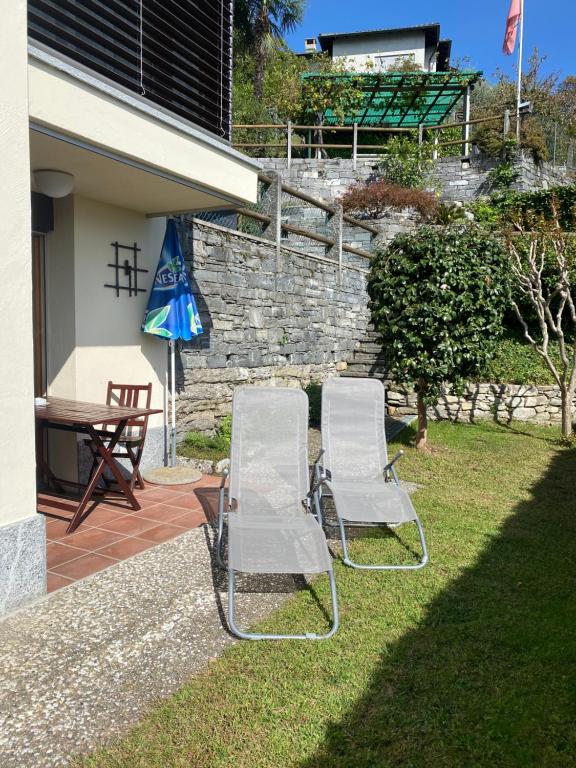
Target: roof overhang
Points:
x,y
117,180
431,32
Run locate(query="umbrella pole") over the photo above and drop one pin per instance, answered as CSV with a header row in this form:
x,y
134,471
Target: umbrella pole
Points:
x,y
173,382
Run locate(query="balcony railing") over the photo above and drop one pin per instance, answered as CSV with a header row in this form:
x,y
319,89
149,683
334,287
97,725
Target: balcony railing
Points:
x,y
176,54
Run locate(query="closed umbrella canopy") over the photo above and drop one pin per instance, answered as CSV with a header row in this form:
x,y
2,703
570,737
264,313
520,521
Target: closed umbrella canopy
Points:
x,y
172,313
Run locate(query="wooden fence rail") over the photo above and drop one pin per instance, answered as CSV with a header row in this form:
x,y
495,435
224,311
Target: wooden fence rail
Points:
x,y
275,226
320,131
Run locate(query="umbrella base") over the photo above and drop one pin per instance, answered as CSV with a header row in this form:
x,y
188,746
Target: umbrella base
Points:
x,y
179,475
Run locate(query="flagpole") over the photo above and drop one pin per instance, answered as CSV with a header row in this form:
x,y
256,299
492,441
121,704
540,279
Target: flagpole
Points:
x,y
519,84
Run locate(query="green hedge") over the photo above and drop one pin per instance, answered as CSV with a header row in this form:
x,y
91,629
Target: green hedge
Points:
x,y
503,207
516,362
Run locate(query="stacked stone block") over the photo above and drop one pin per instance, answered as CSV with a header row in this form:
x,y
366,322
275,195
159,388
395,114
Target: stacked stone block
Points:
x,y
262,326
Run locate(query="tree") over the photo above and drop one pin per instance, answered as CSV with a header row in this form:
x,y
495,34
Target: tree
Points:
x,y
437,300
258,23
543,258
553,100
331,86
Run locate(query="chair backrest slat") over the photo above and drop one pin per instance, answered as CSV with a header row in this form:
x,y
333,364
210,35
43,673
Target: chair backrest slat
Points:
x,y
269,453
353,428
131,396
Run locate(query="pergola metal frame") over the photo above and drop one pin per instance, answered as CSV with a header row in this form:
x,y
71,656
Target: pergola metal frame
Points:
x,y
404,99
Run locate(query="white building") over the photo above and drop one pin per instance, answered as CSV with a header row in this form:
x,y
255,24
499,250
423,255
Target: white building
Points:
x,y
378,50
135,106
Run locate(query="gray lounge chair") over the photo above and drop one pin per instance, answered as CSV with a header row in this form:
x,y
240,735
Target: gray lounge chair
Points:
x,y
271,528
354,465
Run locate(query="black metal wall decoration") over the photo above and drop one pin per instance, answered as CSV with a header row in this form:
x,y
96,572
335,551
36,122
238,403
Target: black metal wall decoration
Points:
x,y
129,270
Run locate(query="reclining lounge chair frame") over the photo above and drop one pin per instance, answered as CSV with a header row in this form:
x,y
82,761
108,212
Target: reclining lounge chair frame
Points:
x,y
226,508
323,477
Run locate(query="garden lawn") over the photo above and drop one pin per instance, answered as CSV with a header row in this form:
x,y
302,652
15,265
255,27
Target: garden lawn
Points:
x,y
469,662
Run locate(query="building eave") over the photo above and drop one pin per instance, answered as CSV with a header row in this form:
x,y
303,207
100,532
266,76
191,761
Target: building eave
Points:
x,y
58,63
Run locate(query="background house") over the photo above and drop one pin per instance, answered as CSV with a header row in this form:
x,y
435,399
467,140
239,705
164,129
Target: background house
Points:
x,y
378,50
133,102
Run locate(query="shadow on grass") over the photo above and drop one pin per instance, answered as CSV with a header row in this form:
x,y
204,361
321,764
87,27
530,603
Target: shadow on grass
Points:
x,y
488,677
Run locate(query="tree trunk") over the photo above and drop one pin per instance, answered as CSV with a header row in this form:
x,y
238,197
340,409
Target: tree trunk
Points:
x,y
319,136
260,58
422,433
567,398
261,30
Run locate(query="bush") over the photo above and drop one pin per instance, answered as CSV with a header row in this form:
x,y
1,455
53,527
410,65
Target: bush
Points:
x,y
504,208
437,300
516,362
314,392
406,163
503,176
197,445
489,139
376,197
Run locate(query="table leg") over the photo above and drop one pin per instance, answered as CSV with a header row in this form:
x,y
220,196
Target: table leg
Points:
x,y
43,470
106,460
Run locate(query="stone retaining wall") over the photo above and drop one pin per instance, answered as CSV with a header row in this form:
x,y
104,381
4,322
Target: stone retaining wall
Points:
x,y
462,180
459,179
503,402
286,321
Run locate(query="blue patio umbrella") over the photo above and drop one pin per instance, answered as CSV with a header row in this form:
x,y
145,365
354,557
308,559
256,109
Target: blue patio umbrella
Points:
x,y
172,312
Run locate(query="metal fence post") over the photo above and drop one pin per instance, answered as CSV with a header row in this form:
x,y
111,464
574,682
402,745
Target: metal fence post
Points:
x,y
466,126
506,122
272,206
336,227
289,143
436,142
420,133
354,145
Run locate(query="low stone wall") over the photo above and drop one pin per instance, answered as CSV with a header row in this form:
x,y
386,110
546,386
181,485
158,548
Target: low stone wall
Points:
x,y
462,179
267,320
502,402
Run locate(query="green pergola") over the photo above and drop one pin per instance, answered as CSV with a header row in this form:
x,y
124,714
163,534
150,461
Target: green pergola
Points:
x,y
404,99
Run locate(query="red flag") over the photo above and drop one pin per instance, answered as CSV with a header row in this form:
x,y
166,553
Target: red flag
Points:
x,y
511,26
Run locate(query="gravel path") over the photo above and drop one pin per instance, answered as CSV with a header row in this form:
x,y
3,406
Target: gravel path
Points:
x,y
80,666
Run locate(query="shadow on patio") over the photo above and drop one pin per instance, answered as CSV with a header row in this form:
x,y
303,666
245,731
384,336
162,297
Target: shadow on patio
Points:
x,y
488,676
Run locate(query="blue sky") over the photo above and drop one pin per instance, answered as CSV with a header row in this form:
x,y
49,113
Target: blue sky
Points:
x,y
476,28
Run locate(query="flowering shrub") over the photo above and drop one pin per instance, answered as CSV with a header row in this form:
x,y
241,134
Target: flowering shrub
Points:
x,y
376,197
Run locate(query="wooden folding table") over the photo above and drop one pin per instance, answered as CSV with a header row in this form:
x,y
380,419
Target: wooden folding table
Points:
x,y
85,418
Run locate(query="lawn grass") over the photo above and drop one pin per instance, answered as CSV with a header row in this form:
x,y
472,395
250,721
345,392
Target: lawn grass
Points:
x,y
469,662
199,446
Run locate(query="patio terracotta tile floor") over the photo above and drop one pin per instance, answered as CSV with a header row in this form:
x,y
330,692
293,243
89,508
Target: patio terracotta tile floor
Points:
x,y
114,532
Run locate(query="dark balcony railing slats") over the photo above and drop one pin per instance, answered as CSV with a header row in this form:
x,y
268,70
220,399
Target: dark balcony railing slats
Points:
x,y
174,53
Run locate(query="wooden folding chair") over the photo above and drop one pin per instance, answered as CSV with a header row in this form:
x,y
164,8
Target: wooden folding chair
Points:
x,y
131,444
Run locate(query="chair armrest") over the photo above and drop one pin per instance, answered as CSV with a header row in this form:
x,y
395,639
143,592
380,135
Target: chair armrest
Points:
x,y
390,464
322,452
319,480
390,469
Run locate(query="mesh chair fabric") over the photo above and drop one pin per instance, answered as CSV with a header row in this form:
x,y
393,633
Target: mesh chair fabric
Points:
x,y
353,435
270,530
294,545
372,502
354,441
